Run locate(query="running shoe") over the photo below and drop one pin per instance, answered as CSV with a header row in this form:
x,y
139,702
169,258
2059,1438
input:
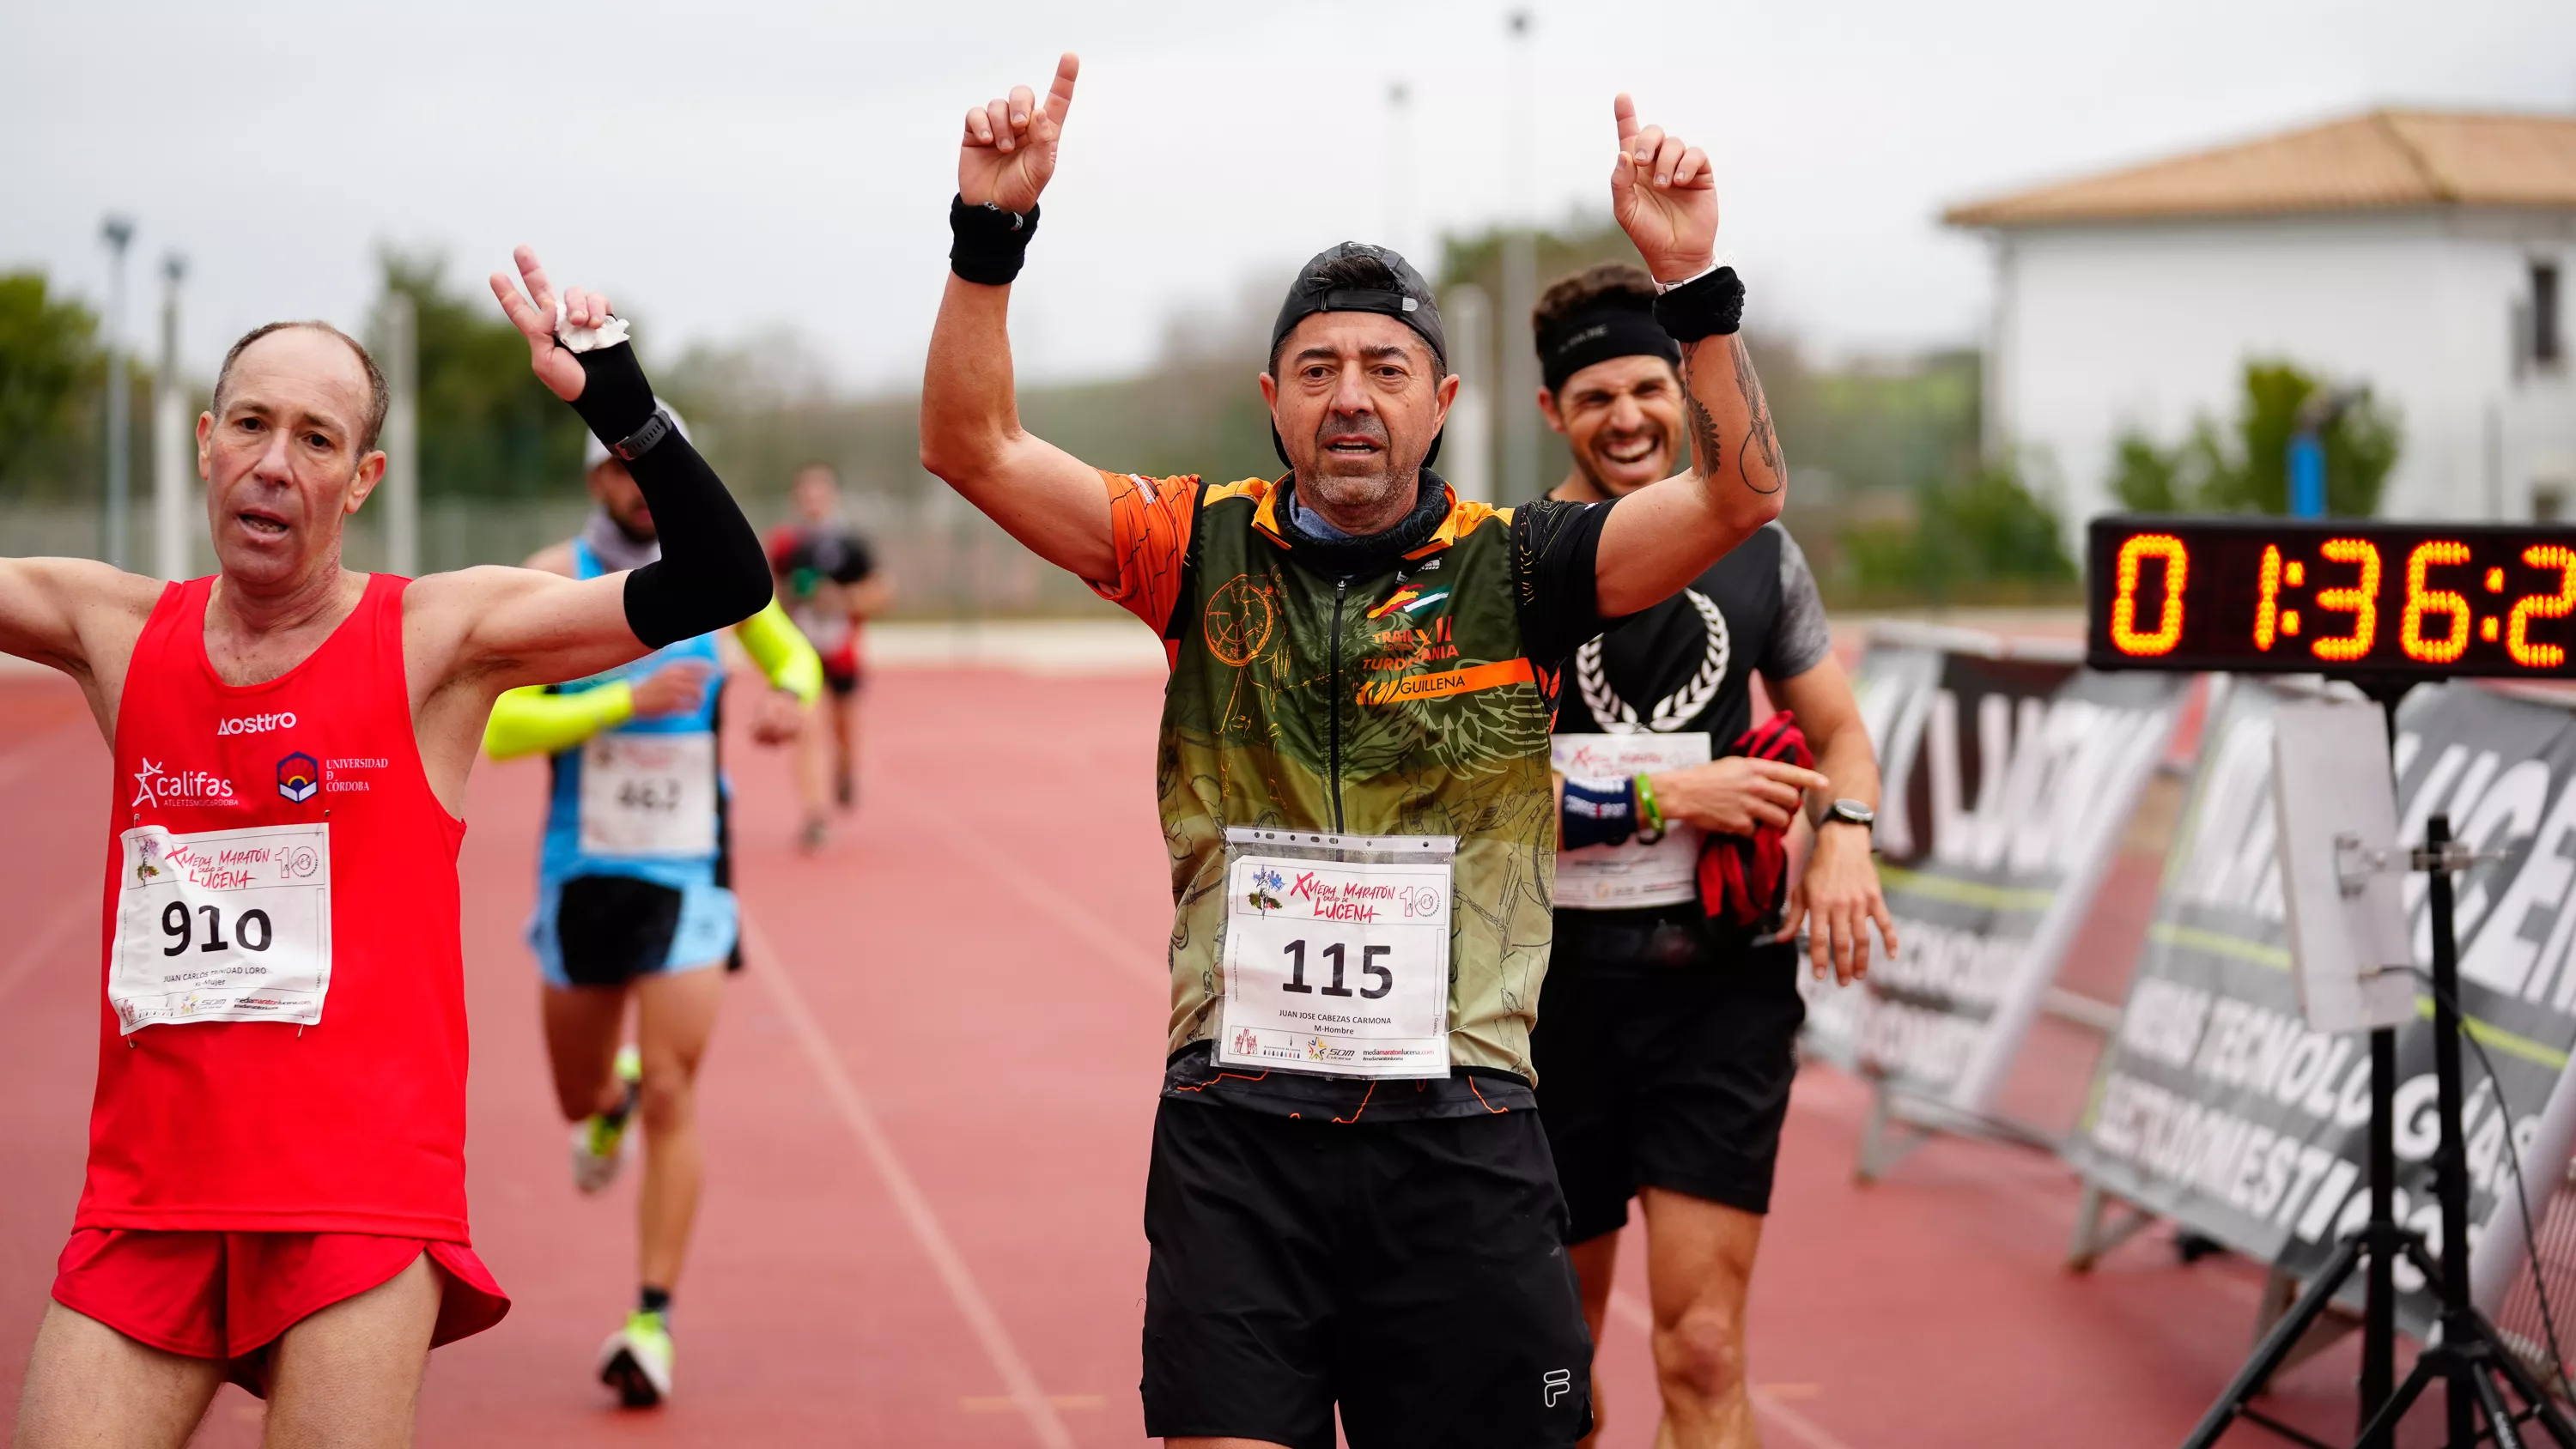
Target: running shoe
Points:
x,y
599,1140
811,839
636,1360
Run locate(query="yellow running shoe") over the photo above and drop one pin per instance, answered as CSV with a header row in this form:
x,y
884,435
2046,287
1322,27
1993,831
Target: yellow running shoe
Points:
x,y
636,1360
599,1140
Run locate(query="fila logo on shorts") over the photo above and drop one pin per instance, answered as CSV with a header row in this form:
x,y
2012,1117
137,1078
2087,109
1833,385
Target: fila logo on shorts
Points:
x,y
1557,1384
298,776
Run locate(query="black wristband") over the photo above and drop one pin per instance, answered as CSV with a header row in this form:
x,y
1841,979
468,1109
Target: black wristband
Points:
x,y
615,399
1707,306
990,244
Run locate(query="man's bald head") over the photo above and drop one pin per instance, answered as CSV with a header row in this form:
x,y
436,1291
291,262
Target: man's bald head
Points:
x,y
378,397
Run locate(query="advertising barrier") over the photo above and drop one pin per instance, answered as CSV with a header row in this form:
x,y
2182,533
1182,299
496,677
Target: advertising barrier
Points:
x,y
2217,1106
2008,774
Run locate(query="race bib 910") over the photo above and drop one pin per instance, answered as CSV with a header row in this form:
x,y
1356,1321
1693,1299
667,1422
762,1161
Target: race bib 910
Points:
x,y
222,925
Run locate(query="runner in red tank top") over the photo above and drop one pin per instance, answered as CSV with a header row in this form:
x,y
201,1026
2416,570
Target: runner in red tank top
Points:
x,y
276,1184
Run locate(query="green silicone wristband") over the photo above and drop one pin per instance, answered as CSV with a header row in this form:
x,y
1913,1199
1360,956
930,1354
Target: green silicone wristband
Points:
x,y
1651,815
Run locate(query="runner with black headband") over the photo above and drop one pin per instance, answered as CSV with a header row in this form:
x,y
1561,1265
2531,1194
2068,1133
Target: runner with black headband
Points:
x,y
1350,1203
1667,1032
276,1181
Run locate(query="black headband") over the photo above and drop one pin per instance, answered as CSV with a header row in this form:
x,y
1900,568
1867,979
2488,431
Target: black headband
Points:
x,y
1598,334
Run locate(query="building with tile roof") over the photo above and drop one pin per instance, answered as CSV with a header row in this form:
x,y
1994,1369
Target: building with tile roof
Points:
x,y
2421,253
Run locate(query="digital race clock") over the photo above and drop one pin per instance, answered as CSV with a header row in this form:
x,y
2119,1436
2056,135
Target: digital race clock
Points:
x,y
2330,596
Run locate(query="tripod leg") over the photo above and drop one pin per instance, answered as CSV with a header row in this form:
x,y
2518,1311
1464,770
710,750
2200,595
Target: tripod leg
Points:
x,y
2491,1399
2276,1345
2379,1426
2546,1411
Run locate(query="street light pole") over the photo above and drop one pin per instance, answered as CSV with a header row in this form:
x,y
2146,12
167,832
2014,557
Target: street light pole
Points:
x,y
170,472
1520,284
1399,170
116,231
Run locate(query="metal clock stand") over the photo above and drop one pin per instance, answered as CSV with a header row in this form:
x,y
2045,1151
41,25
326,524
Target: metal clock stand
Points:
x,y
2470,1357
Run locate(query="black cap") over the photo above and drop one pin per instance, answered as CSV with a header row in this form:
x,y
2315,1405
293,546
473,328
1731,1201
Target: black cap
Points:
x,y
1315,290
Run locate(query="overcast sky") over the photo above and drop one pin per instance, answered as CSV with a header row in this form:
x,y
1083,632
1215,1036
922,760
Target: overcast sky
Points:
x,y
730,169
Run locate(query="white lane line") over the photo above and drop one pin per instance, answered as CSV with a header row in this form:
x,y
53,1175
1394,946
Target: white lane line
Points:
x,y
1147,962
1627,1309
770,969
27,756
33,951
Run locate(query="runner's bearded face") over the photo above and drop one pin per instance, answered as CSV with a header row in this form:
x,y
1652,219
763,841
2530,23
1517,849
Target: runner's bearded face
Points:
x,y
1357,400
615,491
281,459
1621,418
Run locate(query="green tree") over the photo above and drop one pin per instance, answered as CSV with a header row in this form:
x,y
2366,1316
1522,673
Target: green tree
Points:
x,y
1984,537
487,426
2146,478
50,367
2245,468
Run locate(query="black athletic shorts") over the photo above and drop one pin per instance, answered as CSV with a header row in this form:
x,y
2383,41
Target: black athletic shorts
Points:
x,y
1413,1272
1663,1060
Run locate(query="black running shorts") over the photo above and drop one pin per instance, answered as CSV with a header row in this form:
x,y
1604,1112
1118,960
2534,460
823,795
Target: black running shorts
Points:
x,y
1661,1068
1413,1272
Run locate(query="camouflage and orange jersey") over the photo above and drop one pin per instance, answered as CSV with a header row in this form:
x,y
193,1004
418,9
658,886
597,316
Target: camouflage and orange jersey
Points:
x,y
1400,684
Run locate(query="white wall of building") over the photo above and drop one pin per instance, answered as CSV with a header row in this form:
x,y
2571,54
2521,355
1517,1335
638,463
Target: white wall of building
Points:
x,y
2099,328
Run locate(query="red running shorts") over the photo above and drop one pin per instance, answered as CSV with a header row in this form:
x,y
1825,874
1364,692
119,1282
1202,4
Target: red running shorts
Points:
x,y
230,1296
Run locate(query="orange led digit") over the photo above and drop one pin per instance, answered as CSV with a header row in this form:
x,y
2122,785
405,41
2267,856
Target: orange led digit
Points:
x,y
2380,600
2124,608
2420,601
2361,601
2267,599
2517,638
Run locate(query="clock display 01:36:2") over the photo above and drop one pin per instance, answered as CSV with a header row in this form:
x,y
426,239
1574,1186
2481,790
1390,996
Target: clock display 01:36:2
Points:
x,y
2344,597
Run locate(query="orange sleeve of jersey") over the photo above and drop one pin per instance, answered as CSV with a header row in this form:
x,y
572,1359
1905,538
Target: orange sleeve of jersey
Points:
x,y
1149,526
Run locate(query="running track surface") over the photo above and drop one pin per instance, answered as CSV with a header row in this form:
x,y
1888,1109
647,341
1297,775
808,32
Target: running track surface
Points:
x,y
927,1111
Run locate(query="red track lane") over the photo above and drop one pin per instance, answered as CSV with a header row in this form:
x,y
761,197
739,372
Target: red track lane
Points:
x,y
927,1112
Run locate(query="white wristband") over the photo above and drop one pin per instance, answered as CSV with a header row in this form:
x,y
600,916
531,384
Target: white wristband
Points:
x,y
1663,287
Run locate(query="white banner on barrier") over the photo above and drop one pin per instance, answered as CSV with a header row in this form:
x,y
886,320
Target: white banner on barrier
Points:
x,y
2009,773
2217,1105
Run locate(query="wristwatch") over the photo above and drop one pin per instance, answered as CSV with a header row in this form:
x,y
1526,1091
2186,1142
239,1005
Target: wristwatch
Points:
x,y
1850,812
636,444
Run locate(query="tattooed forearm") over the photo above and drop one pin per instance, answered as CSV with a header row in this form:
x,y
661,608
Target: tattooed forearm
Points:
x,y
1758,408
1707,447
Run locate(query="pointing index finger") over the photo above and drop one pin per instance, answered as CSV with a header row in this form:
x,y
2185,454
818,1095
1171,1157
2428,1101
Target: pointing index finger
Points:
x,y
1060,95
1625,111
540,291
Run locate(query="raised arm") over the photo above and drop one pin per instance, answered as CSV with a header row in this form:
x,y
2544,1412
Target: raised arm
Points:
x,y
502,627
1663,536
970,417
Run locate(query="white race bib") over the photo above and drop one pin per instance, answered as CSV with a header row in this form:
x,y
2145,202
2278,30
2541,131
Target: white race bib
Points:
x,y
1615,877
222,925
648,794
1338,966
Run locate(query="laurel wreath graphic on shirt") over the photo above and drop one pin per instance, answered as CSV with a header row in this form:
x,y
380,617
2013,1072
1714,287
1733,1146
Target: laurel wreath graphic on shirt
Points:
x,y
1674,710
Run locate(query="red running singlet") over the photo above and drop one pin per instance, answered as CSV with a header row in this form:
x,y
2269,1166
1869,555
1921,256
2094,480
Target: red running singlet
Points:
x,y
354,1123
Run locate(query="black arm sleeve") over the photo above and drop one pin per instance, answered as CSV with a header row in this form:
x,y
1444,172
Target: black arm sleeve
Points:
x,y
712,572
1556,548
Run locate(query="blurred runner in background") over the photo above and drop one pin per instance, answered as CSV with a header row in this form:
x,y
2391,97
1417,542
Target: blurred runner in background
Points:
x,y
276,1181
827,575
1667,1030
634,897
1350,1203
